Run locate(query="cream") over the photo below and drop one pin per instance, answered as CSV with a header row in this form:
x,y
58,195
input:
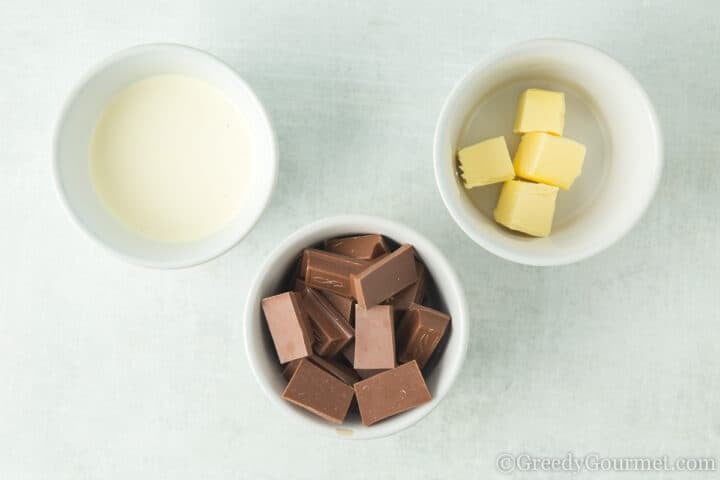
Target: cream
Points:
x,y
170,158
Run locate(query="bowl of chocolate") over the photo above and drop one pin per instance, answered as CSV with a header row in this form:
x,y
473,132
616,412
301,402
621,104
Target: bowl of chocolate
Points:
x,y
356,326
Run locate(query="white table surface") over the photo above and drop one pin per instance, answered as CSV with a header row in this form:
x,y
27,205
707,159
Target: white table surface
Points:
x,y
111,371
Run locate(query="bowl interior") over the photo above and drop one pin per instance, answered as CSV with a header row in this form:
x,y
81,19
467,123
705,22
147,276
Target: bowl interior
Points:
x,y
606,110
273,278
77,124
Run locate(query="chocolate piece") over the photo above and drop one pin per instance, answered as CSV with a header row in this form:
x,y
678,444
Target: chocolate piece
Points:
x,y
333,367
349,353
412,294
364,247
374,338
299,286
330,272
316,390
391,392
419,334
366,373
343,305
385,277
290,368
299,268
340,371
332,332
289,326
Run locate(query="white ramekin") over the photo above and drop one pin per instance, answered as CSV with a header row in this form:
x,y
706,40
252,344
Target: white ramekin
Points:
x,y
274,271
78,119
623,164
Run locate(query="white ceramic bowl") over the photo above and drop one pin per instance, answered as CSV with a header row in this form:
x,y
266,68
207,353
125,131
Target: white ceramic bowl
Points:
x,y
607,110
274,272
77,122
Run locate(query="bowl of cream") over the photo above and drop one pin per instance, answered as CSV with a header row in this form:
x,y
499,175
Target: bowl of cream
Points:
x,y
164,155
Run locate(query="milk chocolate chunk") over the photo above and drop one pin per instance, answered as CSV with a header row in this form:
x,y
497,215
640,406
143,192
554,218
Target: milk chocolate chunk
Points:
x,y
330,272
343,305
374,338
316,390
298,270
330,329
289,326
299,286
290,367
385,277
338,370
391,392
364,247
419,334
412,294
333,367
349,353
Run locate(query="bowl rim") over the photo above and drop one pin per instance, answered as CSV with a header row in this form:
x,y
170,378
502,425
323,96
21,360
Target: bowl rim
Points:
x,y
497,248
384,226
72,96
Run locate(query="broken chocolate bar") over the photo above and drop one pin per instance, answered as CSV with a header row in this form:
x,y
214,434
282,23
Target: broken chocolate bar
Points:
x,y
374,338
343,305
419,333
385,277
316,390
333,367
412,294
349,353
391,392
331,330
330,272
299,286
289,326
340,371
290,367
363,247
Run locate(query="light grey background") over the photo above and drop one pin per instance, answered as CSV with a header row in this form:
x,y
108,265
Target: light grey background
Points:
x,y
110,371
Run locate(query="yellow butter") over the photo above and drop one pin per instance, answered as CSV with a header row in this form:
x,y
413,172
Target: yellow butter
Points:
x,y
545,158
526,207
485,163
540,111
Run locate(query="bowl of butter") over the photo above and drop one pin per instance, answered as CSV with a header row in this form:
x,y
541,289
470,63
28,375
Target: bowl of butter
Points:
x,y
547,153
164,155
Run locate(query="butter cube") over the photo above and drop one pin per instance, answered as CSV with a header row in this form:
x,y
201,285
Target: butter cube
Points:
x,y
540,111
485,163
545,158
527,207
